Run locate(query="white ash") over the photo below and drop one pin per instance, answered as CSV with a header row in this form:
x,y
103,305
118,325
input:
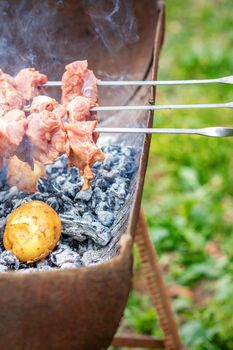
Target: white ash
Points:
x,y
91,220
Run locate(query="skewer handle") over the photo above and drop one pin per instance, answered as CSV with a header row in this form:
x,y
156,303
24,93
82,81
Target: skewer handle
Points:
x,y
224,80
161,107
212,131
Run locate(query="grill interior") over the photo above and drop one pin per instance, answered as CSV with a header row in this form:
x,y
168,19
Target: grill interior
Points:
x,y
110,56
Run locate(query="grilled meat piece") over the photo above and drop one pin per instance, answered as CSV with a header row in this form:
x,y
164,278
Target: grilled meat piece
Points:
x,y
28,82
83,151
10,98
41,103
89,89
21,175
78,80
79,94
46,131
79,110
12,129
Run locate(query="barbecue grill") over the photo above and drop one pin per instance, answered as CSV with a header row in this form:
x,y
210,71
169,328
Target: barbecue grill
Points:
x,y
82,308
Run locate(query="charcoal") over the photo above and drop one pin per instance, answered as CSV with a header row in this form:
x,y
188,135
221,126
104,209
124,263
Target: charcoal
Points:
x,y
105,217
2,180
2,225
128,169
6,195
80,207
98,234
70,229
29,270
9,259
111,202
68,265
93,230
3,268
92,257
102,184
90,220
45,268
99,194
101,206
70,190
88,217
42,185
119,204
108,163
69,217
109,176
43,265
118,190
64,254
84,195
73,176
54,203
27,265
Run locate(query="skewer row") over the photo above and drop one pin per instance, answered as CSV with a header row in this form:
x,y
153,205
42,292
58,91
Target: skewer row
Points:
x,y
211,132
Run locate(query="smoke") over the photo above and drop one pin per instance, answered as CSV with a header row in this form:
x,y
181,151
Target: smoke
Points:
x,y
114,22
49,34
27,34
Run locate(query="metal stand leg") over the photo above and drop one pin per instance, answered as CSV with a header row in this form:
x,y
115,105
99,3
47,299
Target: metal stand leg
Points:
x,y
160,299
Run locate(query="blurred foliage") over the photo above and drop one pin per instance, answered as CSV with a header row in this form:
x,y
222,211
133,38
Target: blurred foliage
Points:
x,y
188,197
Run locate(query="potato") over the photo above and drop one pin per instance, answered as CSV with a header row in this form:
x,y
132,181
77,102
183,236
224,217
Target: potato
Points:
x,y
32,231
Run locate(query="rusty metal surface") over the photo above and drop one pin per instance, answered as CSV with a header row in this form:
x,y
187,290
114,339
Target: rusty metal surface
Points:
x,y
156,286
81,309
137,341
64,310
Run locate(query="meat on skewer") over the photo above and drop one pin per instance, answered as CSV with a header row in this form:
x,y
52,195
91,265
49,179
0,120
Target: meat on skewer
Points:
x,y
21,175
83,151
43,135
79,94
78,80
46,140
12,130
28,81
10,97
45,129
13,94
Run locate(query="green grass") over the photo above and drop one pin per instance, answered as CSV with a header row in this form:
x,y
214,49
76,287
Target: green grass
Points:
x,y
188,196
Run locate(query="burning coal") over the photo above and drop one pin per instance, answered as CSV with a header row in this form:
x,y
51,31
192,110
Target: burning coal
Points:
x,y
87,217
40,36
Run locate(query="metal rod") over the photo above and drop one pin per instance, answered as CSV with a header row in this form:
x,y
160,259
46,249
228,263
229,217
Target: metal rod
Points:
x,y
157,107
212,131
224,80
160,107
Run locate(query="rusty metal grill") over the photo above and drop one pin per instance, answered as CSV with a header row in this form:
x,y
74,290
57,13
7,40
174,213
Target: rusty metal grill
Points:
x,y
82,308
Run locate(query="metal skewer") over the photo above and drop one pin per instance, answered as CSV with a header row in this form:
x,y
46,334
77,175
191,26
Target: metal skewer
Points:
x,y
217,131
160,107
157,107
223,80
